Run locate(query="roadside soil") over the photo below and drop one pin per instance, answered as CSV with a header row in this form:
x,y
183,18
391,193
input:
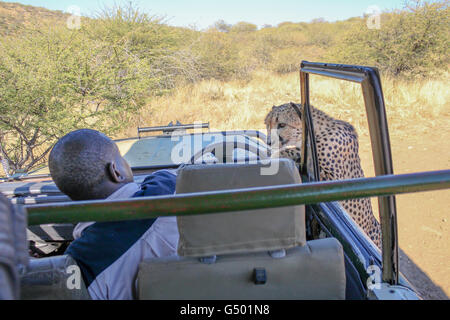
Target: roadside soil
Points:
x,y
423,218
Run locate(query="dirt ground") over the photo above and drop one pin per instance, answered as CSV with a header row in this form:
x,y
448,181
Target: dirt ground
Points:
x,y
423,218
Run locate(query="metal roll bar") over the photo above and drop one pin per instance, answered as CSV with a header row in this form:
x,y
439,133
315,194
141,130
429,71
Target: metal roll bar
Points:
x,y
369,78
235,200
171,128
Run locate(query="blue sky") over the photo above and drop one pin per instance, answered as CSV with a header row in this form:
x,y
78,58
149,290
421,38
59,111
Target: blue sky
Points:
x,y
203,13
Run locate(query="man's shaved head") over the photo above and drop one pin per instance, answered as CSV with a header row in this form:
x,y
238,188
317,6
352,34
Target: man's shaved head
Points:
x,y
84,165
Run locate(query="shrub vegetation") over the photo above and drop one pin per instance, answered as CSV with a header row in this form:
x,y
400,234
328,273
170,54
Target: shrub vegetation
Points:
x,y
54,79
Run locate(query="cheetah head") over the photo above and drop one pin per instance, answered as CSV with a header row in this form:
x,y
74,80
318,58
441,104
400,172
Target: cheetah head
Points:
x,y
284,126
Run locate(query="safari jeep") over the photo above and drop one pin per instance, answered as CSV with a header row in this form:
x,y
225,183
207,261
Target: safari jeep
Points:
x,y
251,226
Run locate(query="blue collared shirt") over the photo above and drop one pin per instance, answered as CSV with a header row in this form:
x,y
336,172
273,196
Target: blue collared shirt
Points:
x,y
109,253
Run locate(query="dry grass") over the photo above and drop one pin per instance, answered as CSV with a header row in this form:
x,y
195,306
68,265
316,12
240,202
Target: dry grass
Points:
x,y
413,108
243,105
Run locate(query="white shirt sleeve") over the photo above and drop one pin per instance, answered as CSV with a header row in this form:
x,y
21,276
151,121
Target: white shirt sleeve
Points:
x,y
118,281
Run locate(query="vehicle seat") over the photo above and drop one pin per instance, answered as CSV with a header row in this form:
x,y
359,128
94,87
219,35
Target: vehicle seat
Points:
x,y
54,278
13,248
256,254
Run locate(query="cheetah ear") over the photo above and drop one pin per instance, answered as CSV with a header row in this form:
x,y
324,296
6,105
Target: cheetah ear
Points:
x,y
297,109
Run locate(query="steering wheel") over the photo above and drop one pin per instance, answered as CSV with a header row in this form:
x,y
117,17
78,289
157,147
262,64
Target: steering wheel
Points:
x,y
228,148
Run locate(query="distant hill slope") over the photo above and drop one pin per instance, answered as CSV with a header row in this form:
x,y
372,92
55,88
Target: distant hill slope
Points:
x,y
15,17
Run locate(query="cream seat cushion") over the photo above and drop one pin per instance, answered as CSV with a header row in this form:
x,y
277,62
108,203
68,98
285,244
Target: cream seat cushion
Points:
x,y
243,231
220,253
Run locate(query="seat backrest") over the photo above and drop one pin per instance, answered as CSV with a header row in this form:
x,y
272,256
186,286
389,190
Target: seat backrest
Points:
x,y
54,278
242,231
254,254
13,248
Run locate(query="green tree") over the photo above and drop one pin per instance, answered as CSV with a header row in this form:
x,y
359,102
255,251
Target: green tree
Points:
x,y
56,80
216,56
244,27
412,42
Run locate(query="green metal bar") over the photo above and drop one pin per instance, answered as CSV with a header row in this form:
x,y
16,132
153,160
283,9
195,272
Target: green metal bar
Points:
x,y
235,200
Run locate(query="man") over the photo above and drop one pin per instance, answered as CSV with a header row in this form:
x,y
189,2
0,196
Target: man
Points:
x,y
87,165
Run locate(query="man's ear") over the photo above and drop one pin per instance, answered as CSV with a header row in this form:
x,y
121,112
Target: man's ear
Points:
x,y
114,173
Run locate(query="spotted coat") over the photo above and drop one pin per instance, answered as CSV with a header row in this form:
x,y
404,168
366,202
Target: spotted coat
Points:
x,y
337,151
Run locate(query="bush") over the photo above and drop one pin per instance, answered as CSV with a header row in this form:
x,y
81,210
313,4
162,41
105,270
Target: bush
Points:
x,y
413,42
243,27
217,56
55,80
286,61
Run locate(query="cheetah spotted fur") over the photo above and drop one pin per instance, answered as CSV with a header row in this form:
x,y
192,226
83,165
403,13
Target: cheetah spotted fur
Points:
x,y
337,150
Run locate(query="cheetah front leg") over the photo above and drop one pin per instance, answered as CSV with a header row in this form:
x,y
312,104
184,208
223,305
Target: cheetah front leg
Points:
x,y
360,210
289,152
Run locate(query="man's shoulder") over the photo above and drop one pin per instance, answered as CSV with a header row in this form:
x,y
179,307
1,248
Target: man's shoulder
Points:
x,y
159,183
162,174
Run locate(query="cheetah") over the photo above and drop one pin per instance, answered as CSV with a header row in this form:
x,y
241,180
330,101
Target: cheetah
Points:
x,y
337,151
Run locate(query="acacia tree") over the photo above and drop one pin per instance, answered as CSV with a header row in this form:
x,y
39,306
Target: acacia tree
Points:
x,y
56,80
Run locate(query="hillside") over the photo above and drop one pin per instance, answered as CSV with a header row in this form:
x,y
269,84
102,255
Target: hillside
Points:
x,y
14,17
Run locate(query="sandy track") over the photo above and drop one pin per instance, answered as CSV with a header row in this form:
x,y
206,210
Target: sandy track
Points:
x,y
423,218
